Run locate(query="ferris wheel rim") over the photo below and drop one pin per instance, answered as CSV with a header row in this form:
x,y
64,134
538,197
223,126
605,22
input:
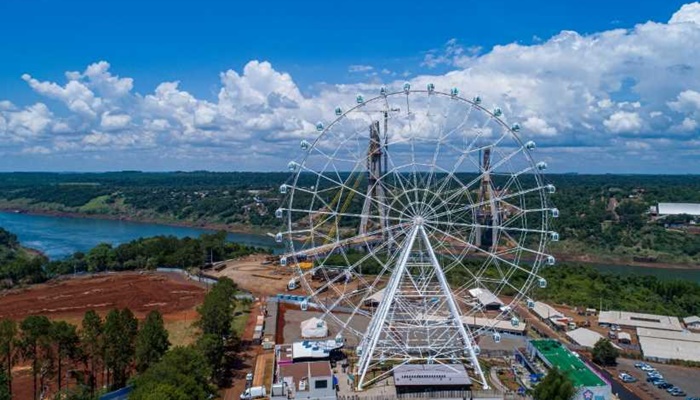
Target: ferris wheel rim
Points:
x,y
472,105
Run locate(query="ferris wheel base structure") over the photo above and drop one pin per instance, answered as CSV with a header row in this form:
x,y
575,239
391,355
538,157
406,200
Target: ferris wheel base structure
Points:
x,y
436,337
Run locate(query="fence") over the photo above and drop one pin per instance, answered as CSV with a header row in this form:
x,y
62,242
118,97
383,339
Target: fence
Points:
x,y
206,279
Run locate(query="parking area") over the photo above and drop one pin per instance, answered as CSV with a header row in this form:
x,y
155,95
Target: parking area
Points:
x,y
687,379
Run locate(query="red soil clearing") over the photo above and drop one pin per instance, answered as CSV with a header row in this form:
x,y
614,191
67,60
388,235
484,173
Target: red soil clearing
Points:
x,y
141,292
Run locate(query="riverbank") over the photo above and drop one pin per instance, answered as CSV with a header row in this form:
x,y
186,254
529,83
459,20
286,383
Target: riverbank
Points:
x,y
586,259
210,226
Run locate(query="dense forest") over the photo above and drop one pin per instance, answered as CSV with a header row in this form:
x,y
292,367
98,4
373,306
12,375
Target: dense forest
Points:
x,y
108,352
18,267
602,217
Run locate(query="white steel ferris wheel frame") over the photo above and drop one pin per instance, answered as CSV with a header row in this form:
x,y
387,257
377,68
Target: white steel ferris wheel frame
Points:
x,y
447,337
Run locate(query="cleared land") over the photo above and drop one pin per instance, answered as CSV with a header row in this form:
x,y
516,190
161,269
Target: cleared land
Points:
x,y
68,299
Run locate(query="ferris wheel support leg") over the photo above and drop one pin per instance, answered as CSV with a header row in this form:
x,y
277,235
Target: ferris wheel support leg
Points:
x,y
377,324
454,310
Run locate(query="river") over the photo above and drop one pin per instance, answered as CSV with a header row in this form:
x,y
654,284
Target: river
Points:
x,y
58,237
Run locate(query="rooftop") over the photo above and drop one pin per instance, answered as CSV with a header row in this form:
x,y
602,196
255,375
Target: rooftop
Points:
x,y
485,296
669,345
560,357
678,208
305,370
431,375
545,311
585,337
640,320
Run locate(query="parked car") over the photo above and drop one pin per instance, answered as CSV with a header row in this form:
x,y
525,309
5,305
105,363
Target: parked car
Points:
x,y
677,392
627,378
249,377
663,385
639,364
647,368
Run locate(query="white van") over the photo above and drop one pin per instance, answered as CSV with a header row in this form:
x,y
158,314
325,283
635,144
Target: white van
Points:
x,y
254,392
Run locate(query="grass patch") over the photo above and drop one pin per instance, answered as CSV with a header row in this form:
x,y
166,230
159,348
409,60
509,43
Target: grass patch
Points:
x,y
97,205
240,318
181,333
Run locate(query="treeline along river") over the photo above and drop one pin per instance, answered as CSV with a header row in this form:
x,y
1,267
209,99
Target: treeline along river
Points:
x,y
59,237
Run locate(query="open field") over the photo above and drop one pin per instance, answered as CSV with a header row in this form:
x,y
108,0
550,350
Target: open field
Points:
x,y
243,271
139,291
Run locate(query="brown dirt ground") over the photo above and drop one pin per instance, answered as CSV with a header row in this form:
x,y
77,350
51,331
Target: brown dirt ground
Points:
x,y
68,299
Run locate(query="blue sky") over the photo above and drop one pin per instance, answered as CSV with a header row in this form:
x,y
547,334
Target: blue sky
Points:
x,y
619,80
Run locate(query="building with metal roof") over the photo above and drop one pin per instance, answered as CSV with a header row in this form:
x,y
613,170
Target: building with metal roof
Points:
x,y
544,311
639,320
585,337
663,346
553,354
410,378
677,209
304,380
486,298
692,322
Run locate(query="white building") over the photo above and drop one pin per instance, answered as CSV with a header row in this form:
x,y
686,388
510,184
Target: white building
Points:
x,y
663,346
585,337
663,209
486,298
304,380
639,320
692,322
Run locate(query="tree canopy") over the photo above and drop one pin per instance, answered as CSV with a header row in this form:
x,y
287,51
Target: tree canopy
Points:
x,y
554,386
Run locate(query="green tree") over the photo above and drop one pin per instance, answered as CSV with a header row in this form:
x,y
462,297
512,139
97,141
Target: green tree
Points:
x,y
182,373
92,343
604,353
120,332
216,317
216,312
151,341
8,334
554,386
65,338
35,344
5,391
100,257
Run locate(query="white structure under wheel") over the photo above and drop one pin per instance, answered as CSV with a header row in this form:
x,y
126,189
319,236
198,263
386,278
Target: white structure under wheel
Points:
x,y
401,205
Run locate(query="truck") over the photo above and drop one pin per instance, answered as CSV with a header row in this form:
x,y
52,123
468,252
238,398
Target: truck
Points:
x,y
254,392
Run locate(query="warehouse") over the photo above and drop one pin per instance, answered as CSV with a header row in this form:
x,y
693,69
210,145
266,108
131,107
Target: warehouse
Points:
x,y
585,337
663,209
639,320
544,311
692,322
486,298
663,346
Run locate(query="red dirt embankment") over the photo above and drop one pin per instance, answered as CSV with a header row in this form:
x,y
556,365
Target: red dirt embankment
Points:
x,y
65,298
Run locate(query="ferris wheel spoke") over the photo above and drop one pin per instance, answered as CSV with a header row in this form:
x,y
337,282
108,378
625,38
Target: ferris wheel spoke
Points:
x,y
330,180
480,250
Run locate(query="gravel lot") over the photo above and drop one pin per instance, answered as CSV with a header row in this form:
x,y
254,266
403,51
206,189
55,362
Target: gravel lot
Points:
x,y
687,379
293,318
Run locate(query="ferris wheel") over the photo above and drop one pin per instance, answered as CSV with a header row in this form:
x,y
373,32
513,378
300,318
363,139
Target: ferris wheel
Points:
x,y
415,222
